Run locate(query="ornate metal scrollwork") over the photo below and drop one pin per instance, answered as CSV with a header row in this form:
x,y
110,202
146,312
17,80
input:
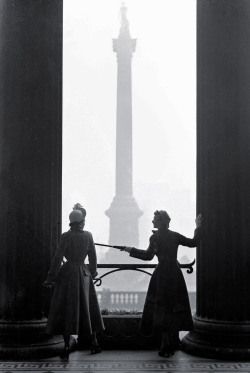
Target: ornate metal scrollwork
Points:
x,y
134,267
188,266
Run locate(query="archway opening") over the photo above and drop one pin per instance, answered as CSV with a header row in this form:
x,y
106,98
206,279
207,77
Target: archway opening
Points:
x,y
164,114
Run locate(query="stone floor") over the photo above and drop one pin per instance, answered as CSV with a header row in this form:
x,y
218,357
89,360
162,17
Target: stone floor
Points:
x,y
117,361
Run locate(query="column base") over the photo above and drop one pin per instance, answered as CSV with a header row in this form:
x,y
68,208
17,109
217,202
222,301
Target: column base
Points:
x,y
124,206
123,214
27,340
218,338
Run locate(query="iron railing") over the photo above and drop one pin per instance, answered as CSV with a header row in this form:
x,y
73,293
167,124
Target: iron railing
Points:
x,y
134,267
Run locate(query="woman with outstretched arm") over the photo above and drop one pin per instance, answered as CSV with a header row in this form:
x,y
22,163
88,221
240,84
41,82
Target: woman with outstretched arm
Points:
x,y
167,305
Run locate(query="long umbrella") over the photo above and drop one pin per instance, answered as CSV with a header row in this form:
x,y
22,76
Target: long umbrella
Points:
x,y
115,247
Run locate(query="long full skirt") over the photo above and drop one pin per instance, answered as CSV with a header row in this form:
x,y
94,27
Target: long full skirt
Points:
x,y
74,306
167,304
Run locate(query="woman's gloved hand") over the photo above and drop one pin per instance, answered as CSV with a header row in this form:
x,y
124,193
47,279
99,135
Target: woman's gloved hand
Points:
x,y
198,221
94,275
127,248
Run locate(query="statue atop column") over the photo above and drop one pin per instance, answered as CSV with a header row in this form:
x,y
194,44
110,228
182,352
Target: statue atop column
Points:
x,y
123,12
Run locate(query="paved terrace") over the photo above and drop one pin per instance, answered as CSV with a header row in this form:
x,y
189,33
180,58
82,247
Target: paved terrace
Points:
x,y
125,361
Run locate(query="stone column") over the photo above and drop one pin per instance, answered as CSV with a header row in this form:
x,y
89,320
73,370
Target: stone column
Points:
x,y
124,212
222,320
30,169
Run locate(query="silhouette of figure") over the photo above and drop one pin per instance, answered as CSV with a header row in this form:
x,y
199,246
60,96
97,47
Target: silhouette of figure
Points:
x,y
167,305
74,306
123,12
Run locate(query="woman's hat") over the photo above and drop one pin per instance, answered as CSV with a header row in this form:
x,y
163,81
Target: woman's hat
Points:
x,y
164,216
78,206
76,216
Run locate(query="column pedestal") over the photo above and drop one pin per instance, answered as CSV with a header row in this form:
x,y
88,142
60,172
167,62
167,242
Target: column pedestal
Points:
x,y
124,214
27,339
225,339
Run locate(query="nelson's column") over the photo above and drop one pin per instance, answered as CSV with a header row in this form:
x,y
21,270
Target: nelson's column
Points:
x,y
124,211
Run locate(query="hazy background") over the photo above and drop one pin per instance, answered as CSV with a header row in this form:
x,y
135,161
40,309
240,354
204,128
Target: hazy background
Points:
x,y
164,112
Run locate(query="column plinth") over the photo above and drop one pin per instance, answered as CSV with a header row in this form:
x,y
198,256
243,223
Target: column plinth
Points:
x,y
124,214
27,339
213,337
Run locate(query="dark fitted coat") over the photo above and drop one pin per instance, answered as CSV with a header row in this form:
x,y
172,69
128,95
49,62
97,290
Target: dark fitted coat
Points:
x,y
167,303
74,307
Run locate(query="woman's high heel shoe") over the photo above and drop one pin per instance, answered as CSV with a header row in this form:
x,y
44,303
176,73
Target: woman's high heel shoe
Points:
x,y
95,349
166,351
65,353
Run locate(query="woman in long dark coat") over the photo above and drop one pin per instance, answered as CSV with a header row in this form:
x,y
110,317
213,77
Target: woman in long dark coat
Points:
x,y
74,307
167,304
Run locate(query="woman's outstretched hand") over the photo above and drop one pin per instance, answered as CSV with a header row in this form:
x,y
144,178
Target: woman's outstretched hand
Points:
x,y
127,248
198,221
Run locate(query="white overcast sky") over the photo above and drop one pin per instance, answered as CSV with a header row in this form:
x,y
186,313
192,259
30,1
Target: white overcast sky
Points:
x,y
164,110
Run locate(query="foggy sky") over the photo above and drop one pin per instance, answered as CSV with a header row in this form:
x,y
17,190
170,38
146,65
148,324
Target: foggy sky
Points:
x,y
164,111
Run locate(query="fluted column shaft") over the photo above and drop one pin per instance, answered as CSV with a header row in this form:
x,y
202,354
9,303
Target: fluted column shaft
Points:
x,y
222,321
124,174
30,166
